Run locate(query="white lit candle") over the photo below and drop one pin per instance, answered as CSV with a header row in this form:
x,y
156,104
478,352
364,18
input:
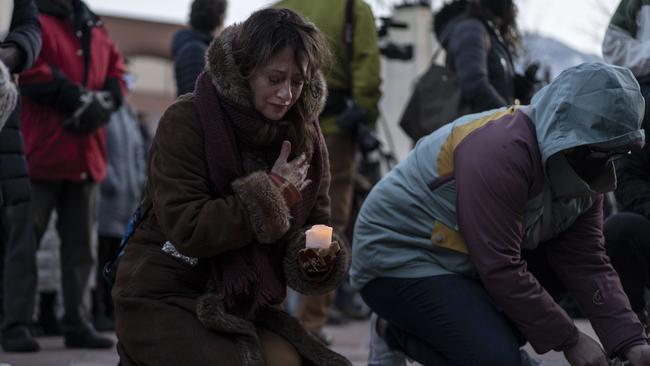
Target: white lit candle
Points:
x,y
319,236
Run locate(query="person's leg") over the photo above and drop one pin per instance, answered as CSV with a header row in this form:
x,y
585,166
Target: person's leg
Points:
x,y
380,353
443,320
277,350
627,241
313,311
102,303
343,166
19,278
77,211
45,196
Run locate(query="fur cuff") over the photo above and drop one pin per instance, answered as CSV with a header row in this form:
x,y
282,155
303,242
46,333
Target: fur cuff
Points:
x,y
299,281
266,207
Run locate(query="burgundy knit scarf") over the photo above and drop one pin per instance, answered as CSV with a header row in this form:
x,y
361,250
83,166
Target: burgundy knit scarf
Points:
x,y
251,276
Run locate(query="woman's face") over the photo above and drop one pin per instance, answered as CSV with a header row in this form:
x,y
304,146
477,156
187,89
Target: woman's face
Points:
x,y
277,85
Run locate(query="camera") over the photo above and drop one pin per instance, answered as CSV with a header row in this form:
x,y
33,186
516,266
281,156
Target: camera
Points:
x,y
391,50
354,120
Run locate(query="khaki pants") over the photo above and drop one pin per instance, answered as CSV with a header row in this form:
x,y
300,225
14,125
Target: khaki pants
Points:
x,y
277,350
313,310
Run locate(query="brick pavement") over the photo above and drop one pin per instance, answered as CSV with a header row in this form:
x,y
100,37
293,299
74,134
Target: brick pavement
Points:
x,y
351,340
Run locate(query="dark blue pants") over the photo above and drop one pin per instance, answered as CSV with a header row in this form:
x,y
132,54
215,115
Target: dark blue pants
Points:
x,y
451,320
444,320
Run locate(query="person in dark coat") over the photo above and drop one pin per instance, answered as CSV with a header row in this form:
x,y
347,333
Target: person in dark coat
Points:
x,y
69,95
481,39
627,233
189,45
238,172
18,51
121,192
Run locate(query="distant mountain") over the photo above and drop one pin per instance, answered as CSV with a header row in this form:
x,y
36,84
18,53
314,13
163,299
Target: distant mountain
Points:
x,y
552,53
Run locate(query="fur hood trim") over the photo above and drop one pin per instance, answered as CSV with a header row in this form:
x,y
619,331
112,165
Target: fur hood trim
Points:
x,y
224,72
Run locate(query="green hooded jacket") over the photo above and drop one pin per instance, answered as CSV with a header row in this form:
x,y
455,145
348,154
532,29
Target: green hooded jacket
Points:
x,y
329,17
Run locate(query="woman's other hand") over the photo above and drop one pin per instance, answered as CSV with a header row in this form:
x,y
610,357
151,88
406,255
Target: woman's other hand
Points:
x,y
586,352
639,355
294,171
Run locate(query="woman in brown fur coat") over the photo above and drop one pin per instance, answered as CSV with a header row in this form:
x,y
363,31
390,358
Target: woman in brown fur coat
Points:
x,y
238,173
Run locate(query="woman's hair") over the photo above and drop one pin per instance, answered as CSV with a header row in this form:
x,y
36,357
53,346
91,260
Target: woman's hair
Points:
x,y
265,34
506,11
207,15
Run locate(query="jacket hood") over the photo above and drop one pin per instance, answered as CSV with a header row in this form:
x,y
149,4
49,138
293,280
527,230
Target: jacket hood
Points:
x,y
590,104
224,71
186,36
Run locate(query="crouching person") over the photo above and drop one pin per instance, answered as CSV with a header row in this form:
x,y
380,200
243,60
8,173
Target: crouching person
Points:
x,y
238,172
464,247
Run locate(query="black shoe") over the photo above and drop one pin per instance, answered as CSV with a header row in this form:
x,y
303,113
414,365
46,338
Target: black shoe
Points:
x,y
19,339
50,326
86,337
104,323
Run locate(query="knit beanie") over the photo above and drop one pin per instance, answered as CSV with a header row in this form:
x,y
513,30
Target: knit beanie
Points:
x,y
8,94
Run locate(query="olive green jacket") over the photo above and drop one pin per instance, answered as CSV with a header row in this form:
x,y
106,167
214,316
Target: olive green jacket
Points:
x,y
329,17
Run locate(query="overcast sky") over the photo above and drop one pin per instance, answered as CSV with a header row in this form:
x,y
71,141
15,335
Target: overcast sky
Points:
x,y
579,23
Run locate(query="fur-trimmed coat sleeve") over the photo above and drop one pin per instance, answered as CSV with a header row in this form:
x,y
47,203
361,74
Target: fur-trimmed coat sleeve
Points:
x,y
320,214
197,223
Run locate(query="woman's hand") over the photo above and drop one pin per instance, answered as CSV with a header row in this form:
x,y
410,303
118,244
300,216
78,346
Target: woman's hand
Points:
x,y
294,171
317,261
586,352
639,355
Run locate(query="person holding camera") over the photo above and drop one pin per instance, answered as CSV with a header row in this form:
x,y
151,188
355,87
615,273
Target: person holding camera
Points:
x,y
353,82
69,95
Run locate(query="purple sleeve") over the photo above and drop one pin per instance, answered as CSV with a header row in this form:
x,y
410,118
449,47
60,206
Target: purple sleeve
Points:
x,y
497,170
578,257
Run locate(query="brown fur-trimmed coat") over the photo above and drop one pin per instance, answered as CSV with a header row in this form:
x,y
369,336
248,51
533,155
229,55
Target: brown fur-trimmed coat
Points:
x,y
163,316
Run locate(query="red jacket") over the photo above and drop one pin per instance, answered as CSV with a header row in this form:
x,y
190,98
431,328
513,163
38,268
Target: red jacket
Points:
x,y
51,90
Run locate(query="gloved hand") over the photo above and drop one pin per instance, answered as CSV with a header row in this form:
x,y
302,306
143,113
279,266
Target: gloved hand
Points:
x,y
318,261
93,112
531,72
525,84
639,355
586,352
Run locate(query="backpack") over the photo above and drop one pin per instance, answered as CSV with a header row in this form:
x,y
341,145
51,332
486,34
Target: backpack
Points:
x,y
436,100
110,268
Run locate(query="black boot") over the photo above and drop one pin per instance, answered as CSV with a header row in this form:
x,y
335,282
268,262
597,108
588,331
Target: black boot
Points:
x,y
19,339
86,337
47,318
102,319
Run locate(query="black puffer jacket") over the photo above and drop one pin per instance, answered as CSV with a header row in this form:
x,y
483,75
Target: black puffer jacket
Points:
x,y
633,188
481,61
188,49
25,33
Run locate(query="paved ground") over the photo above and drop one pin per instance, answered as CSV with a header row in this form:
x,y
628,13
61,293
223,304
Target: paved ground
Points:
x,y
350,340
